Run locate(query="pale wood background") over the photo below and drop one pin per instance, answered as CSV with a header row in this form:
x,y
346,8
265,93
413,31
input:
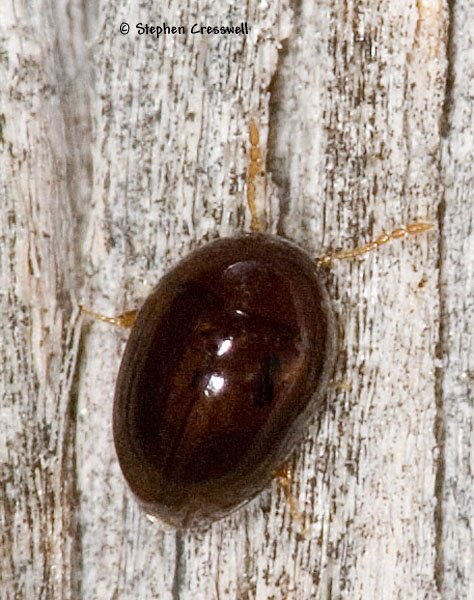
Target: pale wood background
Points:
x,y
119,153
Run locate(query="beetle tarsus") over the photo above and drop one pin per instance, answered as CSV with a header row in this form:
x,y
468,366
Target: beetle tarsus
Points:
x,y
125,320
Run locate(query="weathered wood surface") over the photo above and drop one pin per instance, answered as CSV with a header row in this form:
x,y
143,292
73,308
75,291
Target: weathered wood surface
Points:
x,y
119,154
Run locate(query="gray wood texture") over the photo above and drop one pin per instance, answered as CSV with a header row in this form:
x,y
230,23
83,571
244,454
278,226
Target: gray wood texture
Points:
x,y
119,154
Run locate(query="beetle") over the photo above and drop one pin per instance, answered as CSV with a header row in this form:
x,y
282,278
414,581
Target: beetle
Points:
x,y
227,359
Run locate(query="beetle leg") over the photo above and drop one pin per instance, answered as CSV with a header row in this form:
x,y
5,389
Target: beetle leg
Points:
x,y
339,385
283,476
383,238
125,320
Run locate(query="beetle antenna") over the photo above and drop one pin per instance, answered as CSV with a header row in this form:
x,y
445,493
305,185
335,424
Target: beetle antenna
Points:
x,y
255,168
380,240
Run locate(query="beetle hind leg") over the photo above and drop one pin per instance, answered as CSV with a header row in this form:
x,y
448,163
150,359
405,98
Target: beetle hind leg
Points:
x,y
284,479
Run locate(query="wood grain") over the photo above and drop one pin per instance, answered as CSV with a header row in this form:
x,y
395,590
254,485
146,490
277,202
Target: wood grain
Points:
x,y
120,153
455,392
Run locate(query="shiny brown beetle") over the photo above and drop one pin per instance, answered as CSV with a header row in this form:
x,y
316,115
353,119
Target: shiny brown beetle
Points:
x,y
227,359
219,376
